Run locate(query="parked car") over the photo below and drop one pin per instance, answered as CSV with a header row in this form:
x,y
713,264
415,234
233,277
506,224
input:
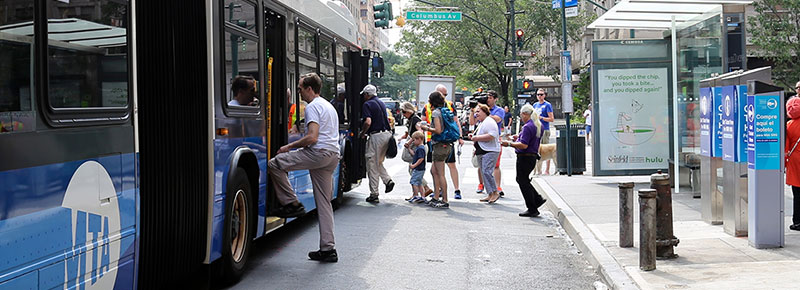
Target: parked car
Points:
x,y
394,107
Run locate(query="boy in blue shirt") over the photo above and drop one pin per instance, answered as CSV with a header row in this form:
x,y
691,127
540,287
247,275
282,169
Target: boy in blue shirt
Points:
x,y
417,166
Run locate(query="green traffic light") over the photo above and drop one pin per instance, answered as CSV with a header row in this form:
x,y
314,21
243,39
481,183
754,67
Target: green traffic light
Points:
x,y
383,13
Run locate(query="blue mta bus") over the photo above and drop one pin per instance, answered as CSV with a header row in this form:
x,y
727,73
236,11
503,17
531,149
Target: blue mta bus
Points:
x,y
126,162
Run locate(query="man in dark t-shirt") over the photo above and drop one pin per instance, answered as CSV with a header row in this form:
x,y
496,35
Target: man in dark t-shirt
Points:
x,y
376,126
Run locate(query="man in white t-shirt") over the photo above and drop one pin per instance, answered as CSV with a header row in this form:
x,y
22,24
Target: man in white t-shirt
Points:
x,y
319,153
588,115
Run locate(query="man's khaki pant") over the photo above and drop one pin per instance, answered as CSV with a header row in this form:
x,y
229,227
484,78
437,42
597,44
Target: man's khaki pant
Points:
x,y
376,154
320,165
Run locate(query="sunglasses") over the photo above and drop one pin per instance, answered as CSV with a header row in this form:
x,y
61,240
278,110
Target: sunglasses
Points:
x,y
540,94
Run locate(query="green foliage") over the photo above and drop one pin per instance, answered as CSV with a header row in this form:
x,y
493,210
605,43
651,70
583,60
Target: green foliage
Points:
x,y
582,98
397,83
776,31
473,53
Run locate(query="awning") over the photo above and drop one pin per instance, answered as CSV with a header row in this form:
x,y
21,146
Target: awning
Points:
x,y
657,14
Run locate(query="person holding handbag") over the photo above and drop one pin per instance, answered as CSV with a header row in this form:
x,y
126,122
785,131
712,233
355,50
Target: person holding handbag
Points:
x,y
412,118
792,157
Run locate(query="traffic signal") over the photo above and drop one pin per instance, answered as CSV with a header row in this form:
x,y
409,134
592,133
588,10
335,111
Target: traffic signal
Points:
x,y
383,13
519,34
400,21
527,86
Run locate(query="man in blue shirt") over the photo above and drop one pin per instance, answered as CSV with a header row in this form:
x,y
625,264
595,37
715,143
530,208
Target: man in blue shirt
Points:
x,y
545,110
376,126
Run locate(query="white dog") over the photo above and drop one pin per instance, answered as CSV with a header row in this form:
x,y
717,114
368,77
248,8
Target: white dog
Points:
x,y
546,152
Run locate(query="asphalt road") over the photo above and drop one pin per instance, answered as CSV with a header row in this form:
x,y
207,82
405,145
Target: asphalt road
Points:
x,y
397,245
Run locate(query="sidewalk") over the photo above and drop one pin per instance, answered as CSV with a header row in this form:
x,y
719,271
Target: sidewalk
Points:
x,y
588,209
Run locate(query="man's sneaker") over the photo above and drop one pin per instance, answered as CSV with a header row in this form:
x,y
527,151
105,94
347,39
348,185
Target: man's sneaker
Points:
x,y
294,209
432,201
324,256
389,186
441,204
373,199
458,194
480,188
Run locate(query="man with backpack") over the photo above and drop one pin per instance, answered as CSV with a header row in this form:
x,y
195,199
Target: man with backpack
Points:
x,y
444,131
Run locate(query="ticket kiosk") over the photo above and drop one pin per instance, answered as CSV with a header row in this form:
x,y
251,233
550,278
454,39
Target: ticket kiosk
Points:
x,y
710,151
765,162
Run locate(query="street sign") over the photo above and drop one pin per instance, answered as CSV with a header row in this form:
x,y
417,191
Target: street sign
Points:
x,y
571,11
434,15
526,53
569,3
514,64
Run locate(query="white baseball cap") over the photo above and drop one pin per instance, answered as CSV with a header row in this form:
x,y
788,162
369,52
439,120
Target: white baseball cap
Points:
x,y
369,89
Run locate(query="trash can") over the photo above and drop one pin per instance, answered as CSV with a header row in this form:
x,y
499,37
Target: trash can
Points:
x,y
577,148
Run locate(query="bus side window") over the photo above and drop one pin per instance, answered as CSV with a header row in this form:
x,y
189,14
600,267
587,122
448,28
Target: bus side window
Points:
x,y
16,60
241,54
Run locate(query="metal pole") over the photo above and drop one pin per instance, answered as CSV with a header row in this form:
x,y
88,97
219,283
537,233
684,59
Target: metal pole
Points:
x,y
566,115
513,53
647,229
625,214
676,137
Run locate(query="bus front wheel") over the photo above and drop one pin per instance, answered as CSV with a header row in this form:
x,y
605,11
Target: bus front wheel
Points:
x,y
239,222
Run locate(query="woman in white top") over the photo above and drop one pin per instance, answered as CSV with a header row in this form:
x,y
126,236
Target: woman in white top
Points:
x,y
487,147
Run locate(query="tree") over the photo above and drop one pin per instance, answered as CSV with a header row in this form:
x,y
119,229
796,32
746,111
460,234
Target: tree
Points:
x,y
582,98
776,31
397,84
474,54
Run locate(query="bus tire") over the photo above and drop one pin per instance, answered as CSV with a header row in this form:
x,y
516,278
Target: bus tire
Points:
x,y
238,228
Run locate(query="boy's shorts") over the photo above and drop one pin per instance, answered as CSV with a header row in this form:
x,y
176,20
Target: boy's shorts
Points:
x,y
416,177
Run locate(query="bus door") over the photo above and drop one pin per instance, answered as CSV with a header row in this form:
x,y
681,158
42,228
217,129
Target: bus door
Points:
x,y
277,100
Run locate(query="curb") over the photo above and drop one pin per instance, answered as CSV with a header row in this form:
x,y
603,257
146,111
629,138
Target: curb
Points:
x,y
584,239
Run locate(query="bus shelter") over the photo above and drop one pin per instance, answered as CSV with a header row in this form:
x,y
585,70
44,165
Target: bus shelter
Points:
x,y
699,48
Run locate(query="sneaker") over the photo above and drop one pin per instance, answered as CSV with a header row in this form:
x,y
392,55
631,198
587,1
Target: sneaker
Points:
x,y
389,186
441,204
294,209
324,256
432,201
480,188
373,199
501,191
458,194
418,199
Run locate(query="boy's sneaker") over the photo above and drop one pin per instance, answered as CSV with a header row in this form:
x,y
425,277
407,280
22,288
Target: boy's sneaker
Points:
x,y
324,256
458,194
480,188
373,199
441,204
418,199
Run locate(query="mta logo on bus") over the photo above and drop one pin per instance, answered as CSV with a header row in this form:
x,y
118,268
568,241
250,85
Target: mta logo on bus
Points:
x,y
91,197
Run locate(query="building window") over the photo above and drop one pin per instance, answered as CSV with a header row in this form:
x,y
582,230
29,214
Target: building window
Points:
x,y
363,12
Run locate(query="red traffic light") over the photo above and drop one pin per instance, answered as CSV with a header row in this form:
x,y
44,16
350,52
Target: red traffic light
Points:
x,y
520,33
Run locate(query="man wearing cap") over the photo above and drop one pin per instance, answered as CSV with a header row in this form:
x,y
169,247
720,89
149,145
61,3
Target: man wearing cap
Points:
x,y
376,126
338,102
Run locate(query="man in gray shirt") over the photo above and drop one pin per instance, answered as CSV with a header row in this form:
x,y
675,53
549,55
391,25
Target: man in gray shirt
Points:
x,y
319,153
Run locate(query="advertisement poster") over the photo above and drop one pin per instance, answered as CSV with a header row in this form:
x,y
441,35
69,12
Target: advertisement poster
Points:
x,y
728,123
633,111
706,105
764,120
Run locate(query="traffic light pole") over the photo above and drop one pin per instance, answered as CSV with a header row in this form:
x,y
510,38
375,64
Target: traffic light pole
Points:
x,y
513,58
566,78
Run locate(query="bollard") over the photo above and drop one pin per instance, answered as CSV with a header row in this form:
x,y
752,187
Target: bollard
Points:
x,y
625,214
665,240
647,229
